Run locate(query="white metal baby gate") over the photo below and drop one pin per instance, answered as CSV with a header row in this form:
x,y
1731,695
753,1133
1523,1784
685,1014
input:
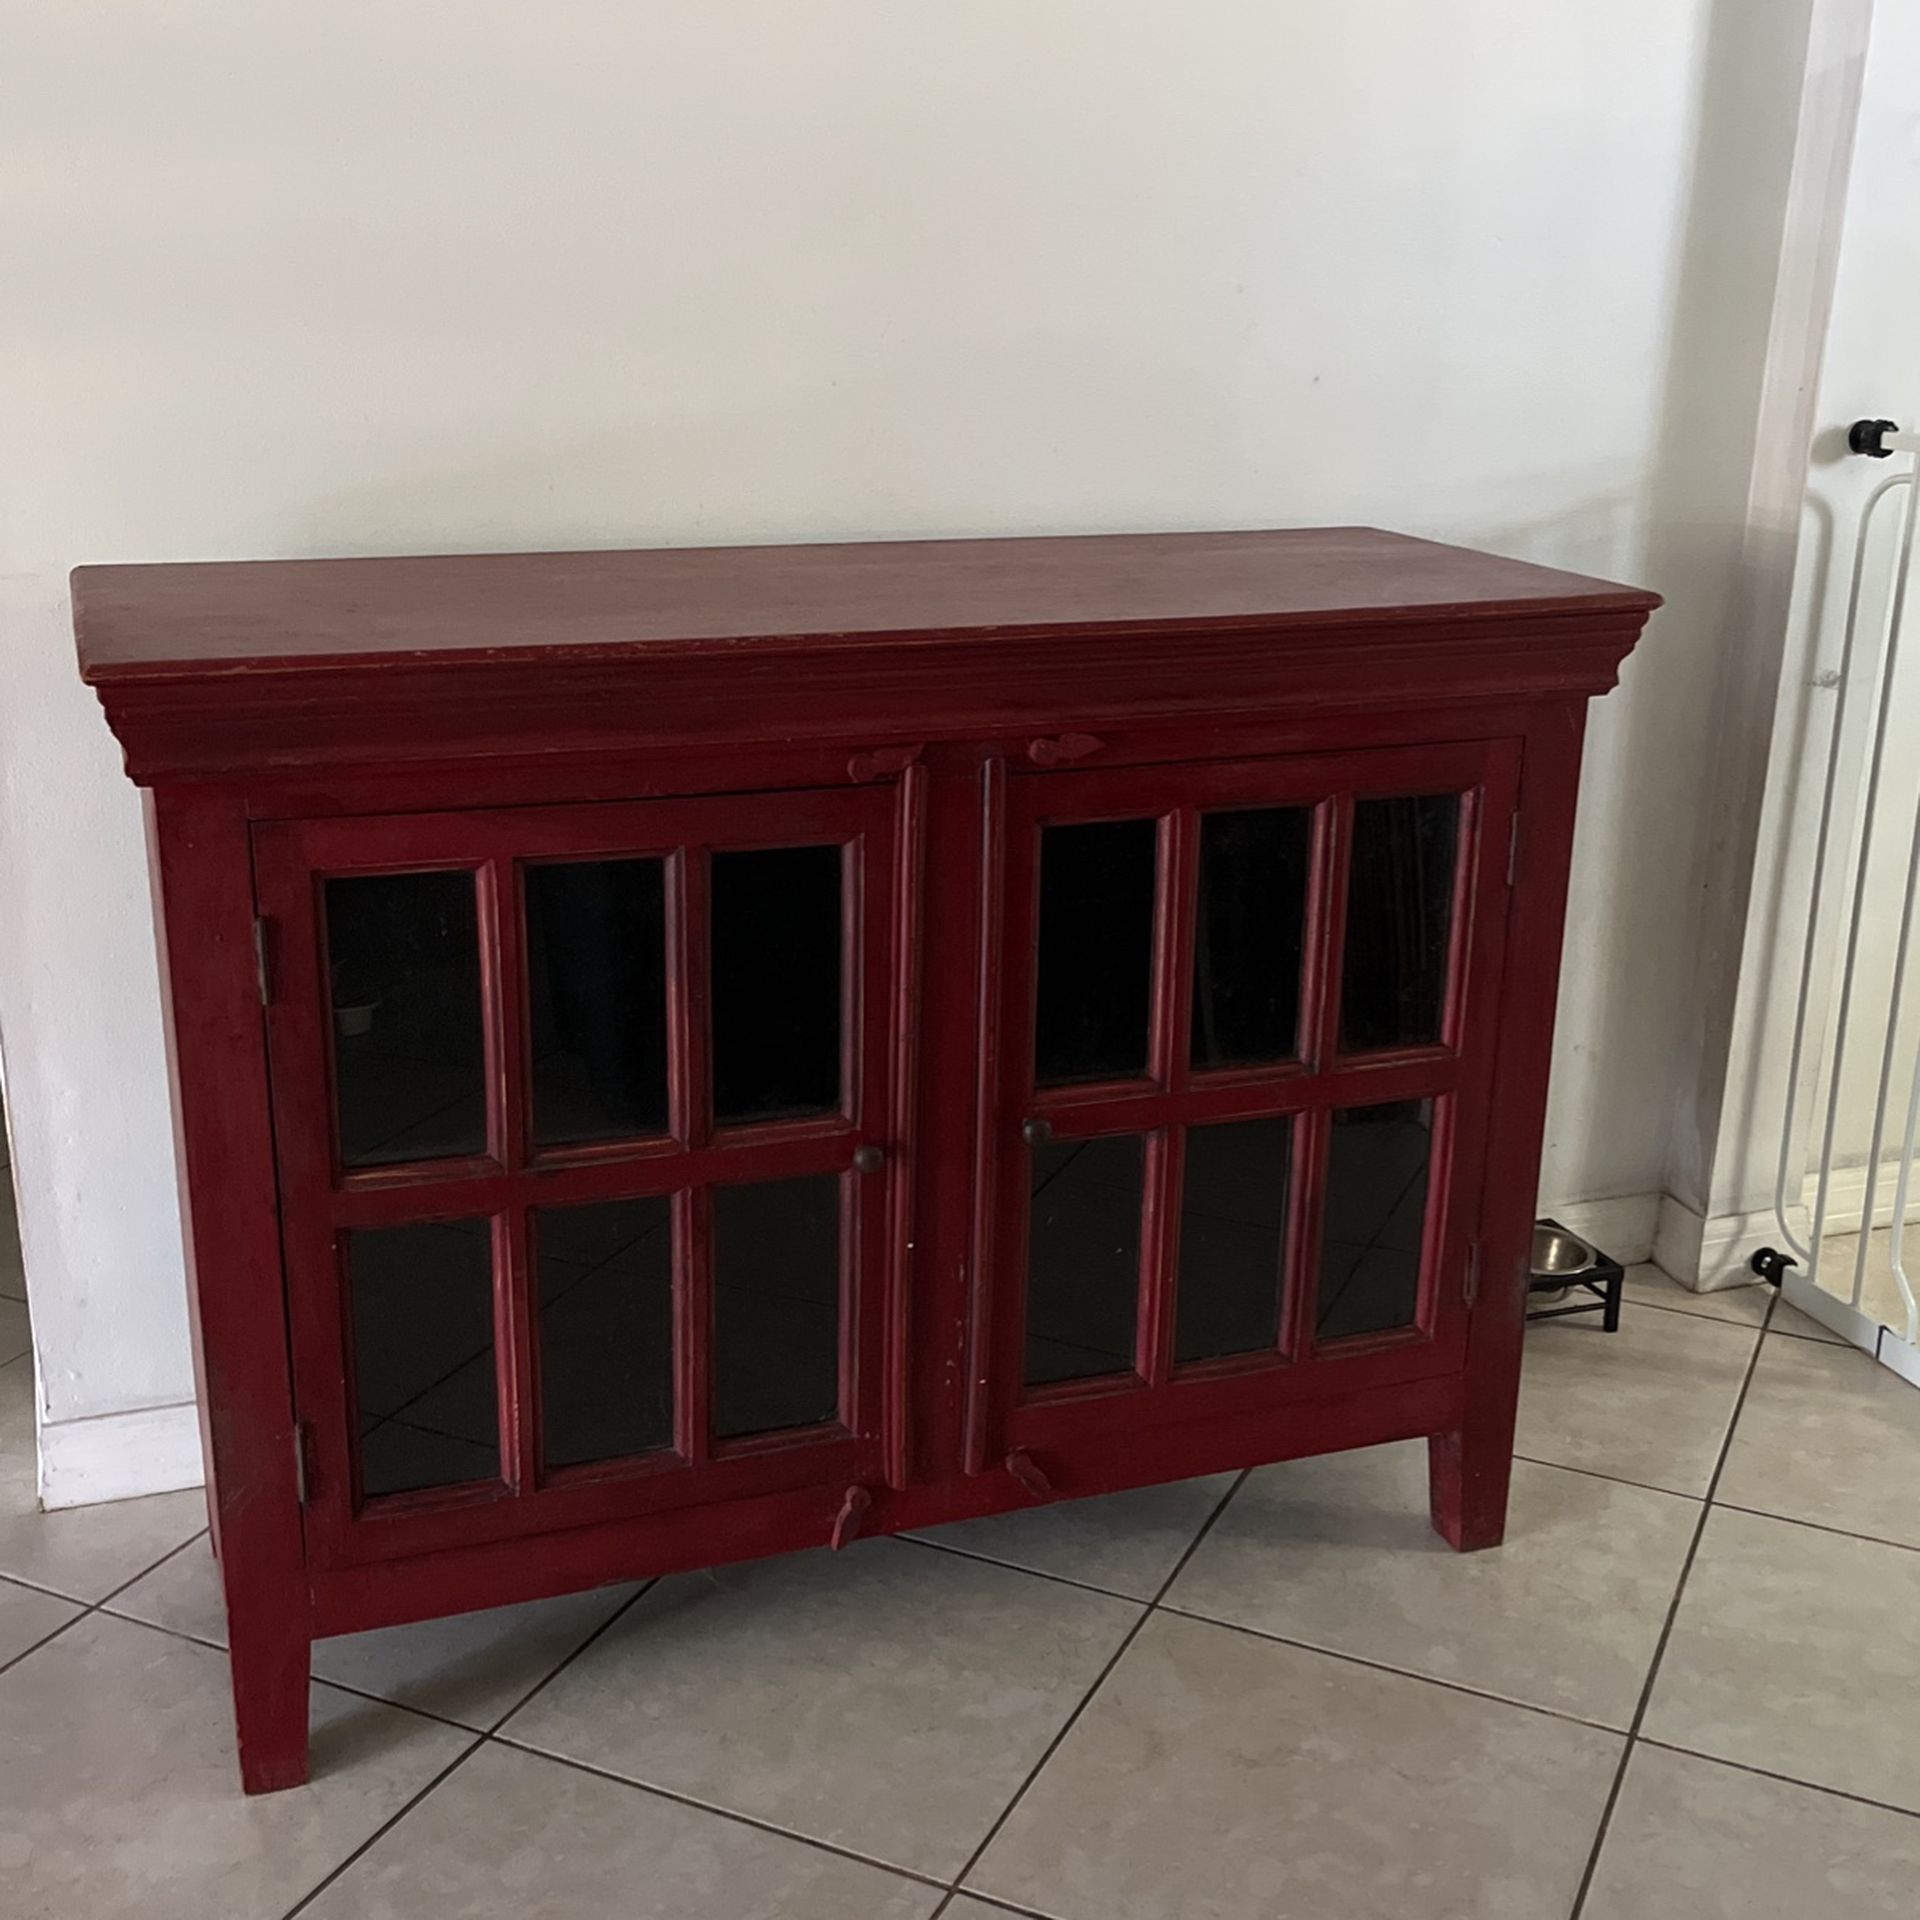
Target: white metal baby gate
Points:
x,y
1890,1327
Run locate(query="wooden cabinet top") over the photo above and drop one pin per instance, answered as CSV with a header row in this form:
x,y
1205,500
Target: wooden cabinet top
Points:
x,y
1050,623
141,621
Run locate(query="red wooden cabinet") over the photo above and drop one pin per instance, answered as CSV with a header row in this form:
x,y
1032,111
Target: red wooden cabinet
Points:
x,y
681,1056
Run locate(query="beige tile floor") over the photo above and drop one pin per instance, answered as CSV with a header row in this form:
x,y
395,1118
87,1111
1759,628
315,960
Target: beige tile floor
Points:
x,y
1880,1293
1689,1685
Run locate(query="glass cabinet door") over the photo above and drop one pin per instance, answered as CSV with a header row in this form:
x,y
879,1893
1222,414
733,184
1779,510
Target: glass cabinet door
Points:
x,y
1239,1031
586,1133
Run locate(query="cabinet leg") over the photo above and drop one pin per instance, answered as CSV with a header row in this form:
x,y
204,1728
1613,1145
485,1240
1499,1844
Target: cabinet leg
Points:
x,y
1467,1475
270,1672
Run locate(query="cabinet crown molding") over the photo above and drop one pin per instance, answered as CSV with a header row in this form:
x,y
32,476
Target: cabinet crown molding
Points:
x,y
216,669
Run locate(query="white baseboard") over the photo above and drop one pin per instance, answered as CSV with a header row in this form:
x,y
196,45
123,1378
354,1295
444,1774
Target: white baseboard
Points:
x,y
120,1456
1622,1228
1708,1252
1677,1241
1847,1198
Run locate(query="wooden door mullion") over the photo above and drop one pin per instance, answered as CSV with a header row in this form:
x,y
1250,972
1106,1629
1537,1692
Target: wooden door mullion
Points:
x,y
996,1315
1160,1254
770,1155
516,1336
502,927
690,1119
1169,1054
1327,886
1174,903
1427,1075
904,936
501,931
1469,857
1306,1224
692,1214
689,997
1333,866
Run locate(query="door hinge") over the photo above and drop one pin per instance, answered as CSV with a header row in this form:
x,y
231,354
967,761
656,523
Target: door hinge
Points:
x,y
1513,846
1470,1286
262,966
300,1461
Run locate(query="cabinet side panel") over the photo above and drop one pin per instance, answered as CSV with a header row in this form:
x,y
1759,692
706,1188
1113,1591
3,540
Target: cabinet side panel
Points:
x,y
1470,1468
224,1141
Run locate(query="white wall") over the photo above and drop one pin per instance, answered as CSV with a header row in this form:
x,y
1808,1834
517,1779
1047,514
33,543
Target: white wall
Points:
x,y
289,280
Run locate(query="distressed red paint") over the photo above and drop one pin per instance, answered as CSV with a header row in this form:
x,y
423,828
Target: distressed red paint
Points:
x,y
929,706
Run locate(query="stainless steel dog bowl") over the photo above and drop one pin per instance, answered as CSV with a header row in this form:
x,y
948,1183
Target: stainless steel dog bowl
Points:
x,y
1560,1255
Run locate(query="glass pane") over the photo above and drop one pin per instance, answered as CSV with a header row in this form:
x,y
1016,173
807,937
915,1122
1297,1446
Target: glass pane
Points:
x,y
1096,950
1083,1258
1233,1221
597,999
606,1331
423,1324
776,983
403,960
1399,914
1377,1166
1249,935
776,1305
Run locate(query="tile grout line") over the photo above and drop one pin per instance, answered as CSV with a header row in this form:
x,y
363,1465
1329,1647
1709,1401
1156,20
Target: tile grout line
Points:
x,y
476,1736
1086,1700
314,1679
729,1814
1613,1479
994,1903
478,1740
1818,1526
1810,1339
27,1652
1399,1673
606,1626
88,1608
1666,1629
1750,1326
1785,1779
220,1647
1694,1313
1015,1566
173,1553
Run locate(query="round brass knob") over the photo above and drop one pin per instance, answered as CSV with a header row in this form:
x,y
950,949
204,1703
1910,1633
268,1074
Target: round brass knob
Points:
x,y
868,1159
1036,1133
